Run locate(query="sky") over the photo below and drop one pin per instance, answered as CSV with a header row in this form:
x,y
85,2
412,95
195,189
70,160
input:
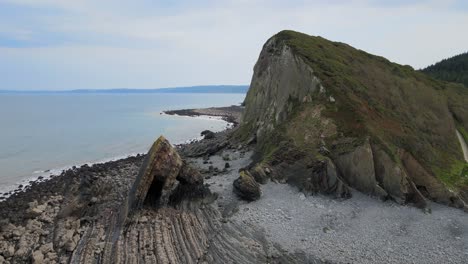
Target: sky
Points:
x,y
102,44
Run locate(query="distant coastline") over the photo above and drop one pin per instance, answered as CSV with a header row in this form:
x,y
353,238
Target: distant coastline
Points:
x,y
237,89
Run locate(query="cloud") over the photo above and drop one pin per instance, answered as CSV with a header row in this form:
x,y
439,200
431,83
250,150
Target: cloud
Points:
x,y
104,44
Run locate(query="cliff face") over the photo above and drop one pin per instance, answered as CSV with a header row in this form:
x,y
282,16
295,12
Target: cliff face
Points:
x,y
389,130
268,101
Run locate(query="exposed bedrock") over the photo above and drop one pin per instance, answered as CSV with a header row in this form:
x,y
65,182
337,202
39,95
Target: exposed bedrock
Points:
x,y
428,185
394,179
310,174
162,171
168,217
357,167
308,93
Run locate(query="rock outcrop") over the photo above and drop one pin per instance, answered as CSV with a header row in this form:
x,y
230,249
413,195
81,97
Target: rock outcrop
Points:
x,y
246,187
354,112
154,209
157,177
357,167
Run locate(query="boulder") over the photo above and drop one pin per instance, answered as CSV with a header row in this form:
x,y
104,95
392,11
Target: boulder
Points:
x,y
207,134
246,187
9,252
46,248
37,257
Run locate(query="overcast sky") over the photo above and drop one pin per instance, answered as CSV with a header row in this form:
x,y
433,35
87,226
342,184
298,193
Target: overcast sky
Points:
x,y
94,44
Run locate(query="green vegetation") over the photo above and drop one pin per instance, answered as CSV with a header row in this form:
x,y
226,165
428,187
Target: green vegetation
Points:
x,y
393,105
454,69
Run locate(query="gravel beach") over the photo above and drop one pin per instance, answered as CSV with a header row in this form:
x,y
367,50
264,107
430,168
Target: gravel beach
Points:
x,y
357,230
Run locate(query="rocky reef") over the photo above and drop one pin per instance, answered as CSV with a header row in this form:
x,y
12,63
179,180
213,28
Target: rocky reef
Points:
x,y
339,118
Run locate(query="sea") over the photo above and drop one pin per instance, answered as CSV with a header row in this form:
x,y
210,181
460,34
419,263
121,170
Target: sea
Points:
x,y
43,134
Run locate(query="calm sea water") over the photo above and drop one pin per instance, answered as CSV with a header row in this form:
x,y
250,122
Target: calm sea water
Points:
x,y
42,132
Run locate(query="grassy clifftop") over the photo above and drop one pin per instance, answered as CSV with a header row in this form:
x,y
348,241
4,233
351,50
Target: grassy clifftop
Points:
x,y
365,96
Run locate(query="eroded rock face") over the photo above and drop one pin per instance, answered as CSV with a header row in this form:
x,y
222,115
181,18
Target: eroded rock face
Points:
x,y
394,179
246,187
157,177
428,185
161,173
357,168
268,102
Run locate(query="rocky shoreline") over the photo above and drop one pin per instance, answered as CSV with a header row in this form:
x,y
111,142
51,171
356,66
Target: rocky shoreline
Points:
x,y
57,220
202,214
230,114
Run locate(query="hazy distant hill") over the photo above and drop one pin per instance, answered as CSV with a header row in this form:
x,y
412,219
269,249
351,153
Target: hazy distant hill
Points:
x,y
192,89
454,69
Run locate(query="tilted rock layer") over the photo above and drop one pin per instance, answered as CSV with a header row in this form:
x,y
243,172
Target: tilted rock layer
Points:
x,y
388,130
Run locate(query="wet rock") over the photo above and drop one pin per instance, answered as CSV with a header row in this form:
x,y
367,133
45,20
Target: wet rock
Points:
x,y
207,134
246,187
206,147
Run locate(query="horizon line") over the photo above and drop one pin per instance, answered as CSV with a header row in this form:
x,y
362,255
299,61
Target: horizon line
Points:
x,y
128,89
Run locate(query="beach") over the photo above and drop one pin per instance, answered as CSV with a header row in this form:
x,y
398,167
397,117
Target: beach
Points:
x,y
72,216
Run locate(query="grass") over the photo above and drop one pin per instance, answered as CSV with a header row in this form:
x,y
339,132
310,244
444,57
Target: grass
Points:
x,y
454,175
387,101
393,105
